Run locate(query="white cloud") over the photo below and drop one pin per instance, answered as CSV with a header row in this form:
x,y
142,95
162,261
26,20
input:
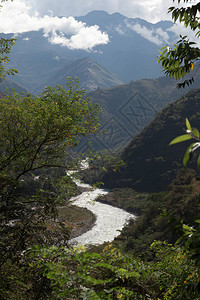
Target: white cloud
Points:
x,y
153,11
27,15
157,36
180,29
86,38
18,17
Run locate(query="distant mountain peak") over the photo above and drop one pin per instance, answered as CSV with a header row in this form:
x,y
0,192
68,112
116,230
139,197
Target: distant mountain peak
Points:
x,y
130,54
91,75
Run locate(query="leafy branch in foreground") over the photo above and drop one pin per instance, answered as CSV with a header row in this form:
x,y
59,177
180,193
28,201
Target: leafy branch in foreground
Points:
x,y
191,133
76,274
37,134
180,61
5,48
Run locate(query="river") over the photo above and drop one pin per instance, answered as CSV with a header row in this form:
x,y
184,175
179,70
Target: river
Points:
x,y
109,220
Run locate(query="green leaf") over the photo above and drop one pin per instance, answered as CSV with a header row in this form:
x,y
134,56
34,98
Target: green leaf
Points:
x,y
187,228
188,124
195,131
181,138
187,155
198,163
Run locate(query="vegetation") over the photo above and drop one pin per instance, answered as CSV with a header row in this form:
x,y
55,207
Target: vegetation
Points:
x,y
160,216
76,274
145,97
191,133
35,135
180,61
5,46
158,159
36,261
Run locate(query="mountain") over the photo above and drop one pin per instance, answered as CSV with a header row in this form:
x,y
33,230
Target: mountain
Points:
x,y
128,108
151,163
90,74
130,54
8,84
35,58
132,51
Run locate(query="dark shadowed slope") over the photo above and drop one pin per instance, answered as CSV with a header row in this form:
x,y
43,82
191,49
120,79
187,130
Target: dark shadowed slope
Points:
x,y
128,108
150,163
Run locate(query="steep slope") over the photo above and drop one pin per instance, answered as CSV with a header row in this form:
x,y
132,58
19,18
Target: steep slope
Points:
x,y
132,51
130,54
90,74
34,58
8,84
150,163
128,108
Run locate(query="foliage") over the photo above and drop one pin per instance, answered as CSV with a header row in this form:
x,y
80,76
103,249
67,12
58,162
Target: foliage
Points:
x,y
76,274
36,130
160,216
148,154
191,133
180,60
5,48
191,234
99,164
36,133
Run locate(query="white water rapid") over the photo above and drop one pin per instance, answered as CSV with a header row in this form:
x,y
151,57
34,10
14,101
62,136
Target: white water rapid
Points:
x,y
109,220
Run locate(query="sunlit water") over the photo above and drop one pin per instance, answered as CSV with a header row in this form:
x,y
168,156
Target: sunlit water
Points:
x,y
109,220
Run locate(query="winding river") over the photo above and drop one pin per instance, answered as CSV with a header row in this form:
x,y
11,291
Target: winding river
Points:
x,y
109,220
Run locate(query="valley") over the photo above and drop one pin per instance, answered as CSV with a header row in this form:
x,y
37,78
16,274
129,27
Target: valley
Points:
x,y
125,224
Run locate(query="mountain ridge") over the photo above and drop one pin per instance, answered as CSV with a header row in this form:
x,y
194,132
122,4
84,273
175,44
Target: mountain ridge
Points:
x,y
8,84
90,74
131,53
128,108
150,163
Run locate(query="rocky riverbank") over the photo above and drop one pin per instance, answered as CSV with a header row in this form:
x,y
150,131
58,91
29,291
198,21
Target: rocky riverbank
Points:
x,y
78,219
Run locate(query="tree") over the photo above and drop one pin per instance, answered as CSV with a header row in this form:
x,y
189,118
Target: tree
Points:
x,y
5,48
177,63
36,133
181,60
36,130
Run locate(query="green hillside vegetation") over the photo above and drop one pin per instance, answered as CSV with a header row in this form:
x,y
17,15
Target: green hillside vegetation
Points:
x,y
150,163
159,215
128,108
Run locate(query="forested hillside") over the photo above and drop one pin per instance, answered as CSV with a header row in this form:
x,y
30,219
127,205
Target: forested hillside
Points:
x,y
150,163
128,108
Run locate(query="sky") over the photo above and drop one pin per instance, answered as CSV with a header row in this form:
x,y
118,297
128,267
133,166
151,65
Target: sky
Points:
x,y
27,15
150,10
